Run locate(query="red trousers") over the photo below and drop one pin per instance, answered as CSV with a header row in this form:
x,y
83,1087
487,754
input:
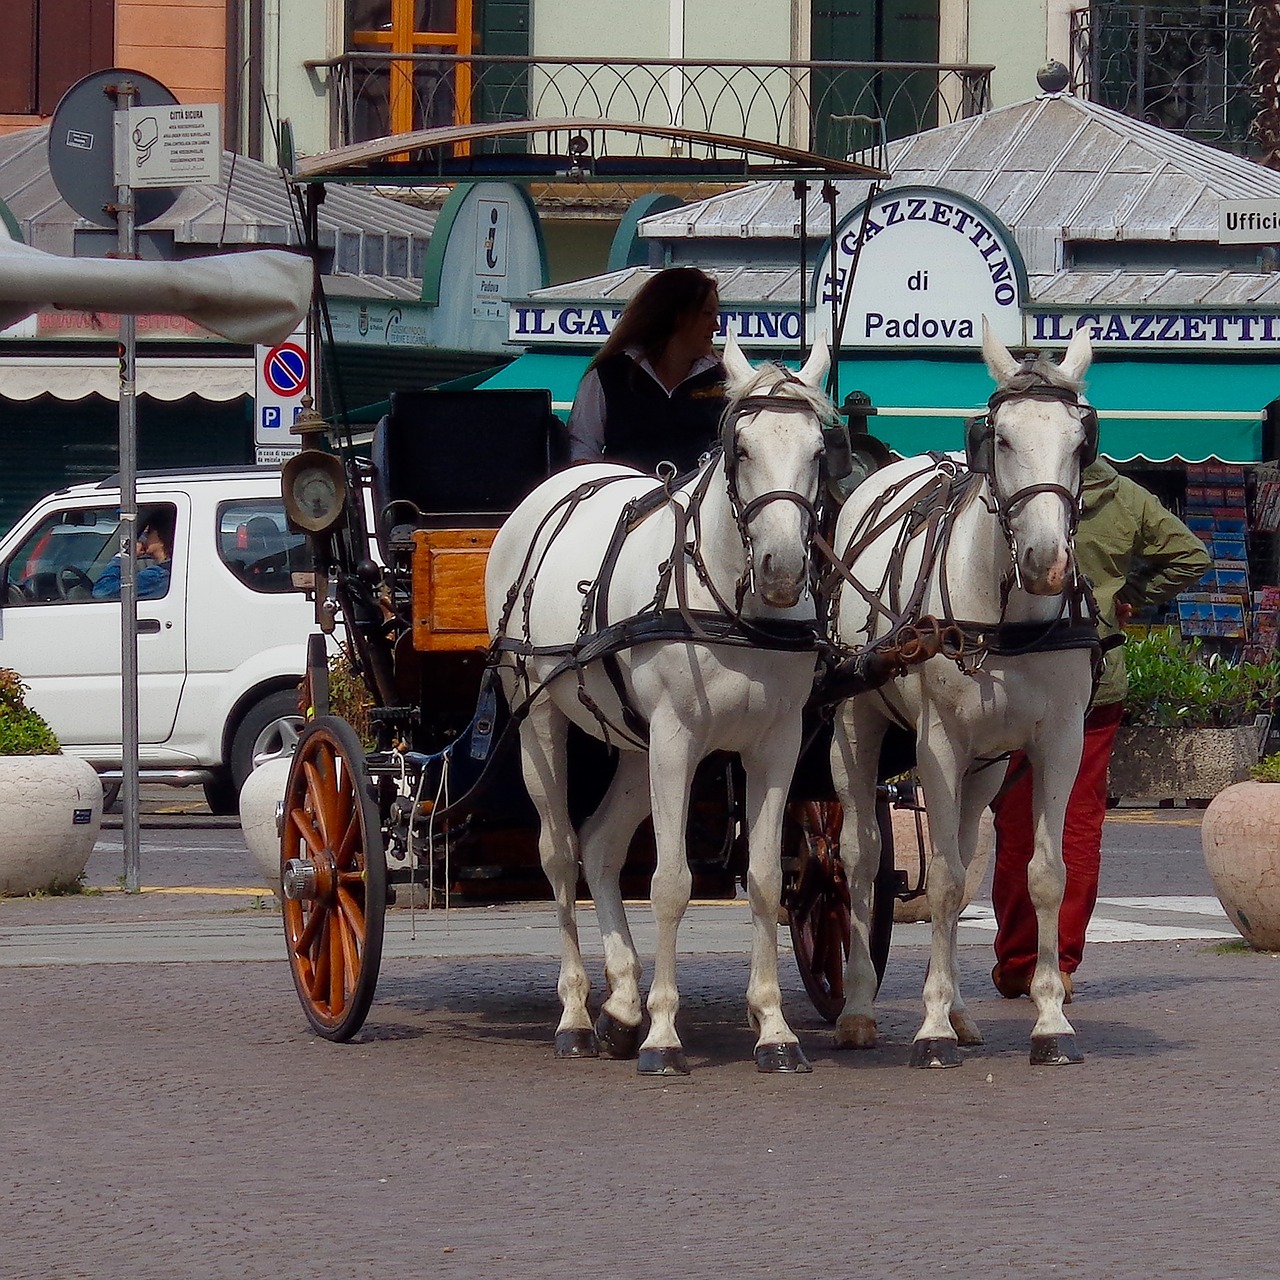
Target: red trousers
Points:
x,y
1081,851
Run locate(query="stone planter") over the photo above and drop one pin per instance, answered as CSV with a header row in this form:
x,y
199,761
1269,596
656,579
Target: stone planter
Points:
x,y
1180,764
1240,836
50,816
262,792
906,857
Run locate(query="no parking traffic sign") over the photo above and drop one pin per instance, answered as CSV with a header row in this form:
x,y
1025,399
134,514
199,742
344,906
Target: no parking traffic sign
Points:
x,y
285,369
283,377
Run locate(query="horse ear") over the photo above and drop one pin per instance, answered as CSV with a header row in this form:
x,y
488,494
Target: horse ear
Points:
x,y
815,368
1079,354
1000,362
736,365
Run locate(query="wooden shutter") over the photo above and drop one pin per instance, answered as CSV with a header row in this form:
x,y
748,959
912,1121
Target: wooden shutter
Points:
x,y
76,37
18,59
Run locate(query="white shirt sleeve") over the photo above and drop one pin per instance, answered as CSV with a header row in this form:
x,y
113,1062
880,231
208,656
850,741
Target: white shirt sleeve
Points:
x,y
586,420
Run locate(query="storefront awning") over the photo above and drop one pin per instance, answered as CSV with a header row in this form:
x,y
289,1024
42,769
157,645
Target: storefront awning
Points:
x,y
74,377
1157,410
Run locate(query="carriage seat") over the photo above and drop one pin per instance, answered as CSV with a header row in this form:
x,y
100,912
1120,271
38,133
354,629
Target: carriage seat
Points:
x,y
456,460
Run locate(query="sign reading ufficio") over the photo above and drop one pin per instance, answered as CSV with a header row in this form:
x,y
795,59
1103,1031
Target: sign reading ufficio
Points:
x,y
1249,222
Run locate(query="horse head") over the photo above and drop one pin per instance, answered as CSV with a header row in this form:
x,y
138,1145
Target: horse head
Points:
x,y
1033,442
773,449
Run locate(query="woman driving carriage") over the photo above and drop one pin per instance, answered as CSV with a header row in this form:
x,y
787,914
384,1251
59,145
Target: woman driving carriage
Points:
x,y
655,391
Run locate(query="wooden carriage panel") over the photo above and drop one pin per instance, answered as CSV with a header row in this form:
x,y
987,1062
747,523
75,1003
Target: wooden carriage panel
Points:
x,y
448,588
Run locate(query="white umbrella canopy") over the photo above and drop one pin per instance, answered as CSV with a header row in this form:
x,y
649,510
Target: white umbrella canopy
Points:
x,y
259,296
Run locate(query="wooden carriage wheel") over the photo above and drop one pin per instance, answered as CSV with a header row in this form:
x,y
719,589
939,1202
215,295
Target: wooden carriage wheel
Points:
x,y
334,877
818,905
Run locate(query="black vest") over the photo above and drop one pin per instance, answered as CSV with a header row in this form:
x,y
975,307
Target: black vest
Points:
x,y
643,426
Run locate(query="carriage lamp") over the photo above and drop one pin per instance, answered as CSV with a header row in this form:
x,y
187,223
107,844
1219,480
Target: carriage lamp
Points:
x,y
315,490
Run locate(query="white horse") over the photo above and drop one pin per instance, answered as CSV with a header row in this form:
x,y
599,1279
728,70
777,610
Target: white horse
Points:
x,y
597,545
993,549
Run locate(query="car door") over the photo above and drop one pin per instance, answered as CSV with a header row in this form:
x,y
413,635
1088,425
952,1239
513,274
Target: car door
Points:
x,y
64,641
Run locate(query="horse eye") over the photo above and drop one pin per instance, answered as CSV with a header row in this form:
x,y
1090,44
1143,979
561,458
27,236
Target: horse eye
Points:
x,y
741,452
1002,443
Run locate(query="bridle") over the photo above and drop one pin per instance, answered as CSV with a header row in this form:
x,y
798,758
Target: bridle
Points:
x,y
981,455
745,512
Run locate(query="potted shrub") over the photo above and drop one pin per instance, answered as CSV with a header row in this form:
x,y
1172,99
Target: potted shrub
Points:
x,y
1194,721
1240,837
50,804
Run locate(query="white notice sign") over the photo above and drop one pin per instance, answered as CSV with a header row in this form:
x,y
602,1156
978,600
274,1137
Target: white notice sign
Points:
x,y
1249,222
172,146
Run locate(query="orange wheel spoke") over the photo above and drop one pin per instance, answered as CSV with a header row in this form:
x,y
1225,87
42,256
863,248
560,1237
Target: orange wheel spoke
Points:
x,y
353,913
306,939
306,829
337,970
320,970
349,934
350,842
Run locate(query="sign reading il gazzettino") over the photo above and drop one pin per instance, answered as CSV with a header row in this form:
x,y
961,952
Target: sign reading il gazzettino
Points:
x,y
585,324
931,266
1159,330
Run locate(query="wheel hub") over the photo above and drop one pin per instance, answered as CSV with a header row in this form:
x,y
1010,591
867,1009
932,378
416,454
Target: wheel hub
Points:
x,y
305,879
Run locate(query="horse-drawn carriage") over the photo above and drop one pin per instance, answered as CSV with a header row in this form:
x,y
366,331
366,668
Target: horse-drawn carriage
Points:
x,y
651,639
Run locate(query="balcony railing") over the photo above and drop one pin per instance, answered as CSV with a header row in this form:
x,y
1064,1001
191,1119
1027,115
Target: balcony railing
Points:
x,y
837,109
1186,69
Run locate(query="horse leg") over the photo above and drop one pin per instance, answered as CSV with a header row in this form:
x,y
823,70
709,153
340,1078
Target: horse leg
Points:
x,y
605,837
1054,763
543,758
977,791
777,1047
855,760
673,754
936,1043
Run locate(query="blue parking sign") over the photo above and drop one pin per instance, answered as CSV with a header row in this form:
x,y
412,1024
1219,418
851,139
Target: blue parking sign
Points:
x,y
271,415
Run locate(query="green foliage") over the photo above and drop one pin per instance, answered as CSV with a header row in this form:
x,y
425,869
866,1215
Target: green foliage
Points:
x,y
22,731
349,697
1176,683
1267,769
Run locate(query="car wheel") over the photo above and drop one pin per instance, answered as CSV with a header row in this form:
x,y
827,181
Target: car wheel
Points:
x,y
221,796
269,730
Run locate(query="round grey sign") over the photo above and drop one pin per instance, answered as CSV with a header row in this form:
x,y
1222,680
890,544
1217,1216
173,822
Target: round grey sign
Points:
x,y
81,155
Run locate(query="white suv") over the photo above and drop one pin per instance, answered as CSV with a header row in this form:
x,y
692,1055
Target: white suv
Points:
x,y
221,645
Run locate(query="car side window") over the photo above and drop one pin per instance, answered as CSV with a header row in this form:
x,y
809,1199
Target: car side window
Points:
x,y
256,544
63,558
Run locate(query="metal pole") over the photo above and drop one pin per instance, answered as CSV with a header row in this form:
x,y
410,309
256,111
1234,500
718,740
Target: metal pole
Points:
x,y
126,247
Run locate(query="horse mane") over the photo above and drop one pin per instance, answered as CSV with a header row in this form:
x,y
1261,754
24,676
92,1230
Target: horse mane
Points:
x,y
783,379
1036,370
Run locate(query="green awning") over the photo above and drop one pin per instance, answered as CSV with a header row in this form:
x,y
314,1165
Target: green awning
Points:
x,y
1153,409
559,374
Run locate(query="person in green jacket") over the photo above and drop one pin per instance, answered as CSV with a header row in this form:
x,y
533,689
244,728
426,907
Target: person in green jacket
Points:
x,y
1135,554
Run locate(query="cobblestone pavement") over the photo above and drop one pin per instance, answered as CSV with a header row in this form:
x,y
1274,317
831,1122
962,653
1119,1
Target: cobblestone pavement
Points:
x,y
171,1120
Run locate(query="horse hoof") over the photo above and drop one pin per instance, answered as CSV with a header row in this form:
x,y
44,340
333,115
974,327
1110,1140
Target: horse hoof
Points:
x,y
935,1053
966,1029
616,1038
1054,1051
781,1058
856,1032
662,1062
577,1042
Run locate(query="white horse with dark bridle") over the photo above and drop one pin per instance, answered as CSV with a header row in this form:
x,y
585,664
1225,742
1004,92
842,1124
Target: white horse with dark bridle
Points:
x,y
987,549
670,624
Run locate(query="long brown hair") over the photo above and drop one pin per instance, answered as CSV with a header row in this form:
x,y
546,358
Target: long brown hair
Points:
x,y
653,313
